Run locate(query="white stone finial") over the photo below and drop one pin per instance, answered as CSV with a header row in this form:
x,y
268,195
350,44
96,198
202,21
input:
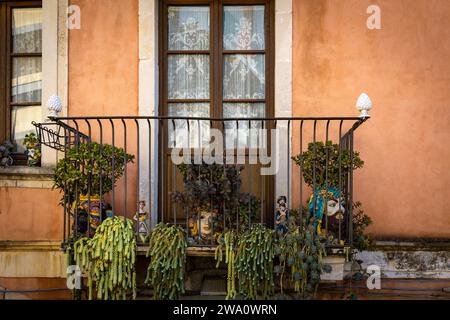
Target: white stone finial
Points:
x,y
54,106
364,105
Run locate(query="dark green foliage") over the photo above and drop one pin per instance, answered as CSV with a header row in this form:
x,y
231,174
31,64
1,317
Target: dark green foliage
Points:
x,y
361,221
318,155
73,171
300,253
216,187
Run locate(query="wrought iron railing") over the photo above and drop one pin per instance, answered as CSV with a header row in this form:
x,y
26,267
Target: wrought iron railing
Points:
x,y
155,178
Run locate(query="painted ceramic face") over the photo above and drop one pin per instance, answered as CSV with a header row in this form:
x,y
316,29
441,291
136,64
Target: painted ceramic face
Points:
x,y
335,206
205,224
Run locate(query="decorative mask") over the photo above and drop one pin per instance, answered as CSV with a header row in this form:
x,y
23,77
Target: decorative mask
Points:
x,y
334,206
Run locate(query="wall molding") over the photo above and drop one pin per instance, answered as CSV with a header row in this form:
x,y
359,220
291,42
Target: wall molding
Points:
x,y
283,92
54,63
148,102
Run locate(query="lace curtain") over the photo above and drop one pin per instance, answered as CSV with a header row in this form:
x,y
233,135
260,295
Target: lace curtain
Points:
x,y
26,71
26,82
189,72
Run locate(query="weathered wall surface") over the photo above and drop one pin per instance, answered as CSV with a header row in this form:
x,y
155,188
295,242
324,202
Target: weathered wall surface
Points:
x,y
30,214
405,69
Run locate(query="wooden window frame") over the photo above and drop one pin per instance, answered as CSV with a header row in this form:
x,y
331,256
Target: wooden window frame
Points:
x,y
6,56
216,53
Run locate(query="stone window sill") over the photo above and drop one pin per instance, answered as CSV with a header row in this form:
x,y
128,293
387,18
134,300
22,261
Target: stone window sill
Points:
x,y
26,177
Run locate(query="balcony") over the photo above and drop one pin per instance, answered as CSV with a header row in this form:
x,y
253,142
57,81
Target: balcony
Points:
x,y
206,175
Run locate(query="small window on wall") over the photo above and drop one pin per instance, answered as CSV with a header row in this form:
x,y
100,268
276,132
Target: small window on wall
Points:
x,y
21,60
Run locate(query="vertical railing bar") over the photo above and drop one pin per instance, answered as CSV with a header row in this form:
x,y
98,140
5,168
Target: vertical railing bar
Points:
x,y
225,164
89,177
249,176
262,178
164,159
340,174
236,209
150,169
301,173
65,196
125,175
315,196
275,124
69,198
101,169
211,177
76,183
174,184
289,204
350,205
138,180
188,123
326,181
113,205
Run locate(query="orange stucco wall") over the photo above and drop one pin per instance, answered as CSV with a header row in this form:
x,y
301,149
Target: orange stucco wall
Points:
x,y
404,67
103,74
103,59
30,214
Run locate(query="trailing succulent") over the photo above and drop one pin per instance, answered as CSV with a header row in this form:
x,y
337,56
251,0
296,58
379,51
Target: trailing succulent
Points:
x,y
167,252
324,157
72,172
249,257
228,242
300,252
109,259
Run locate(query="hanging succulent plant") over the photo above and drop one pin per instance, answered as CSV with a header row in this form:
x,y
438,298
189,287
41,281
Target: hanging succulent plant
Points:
x,y
300,252
228,242
254,263
108,259
167,252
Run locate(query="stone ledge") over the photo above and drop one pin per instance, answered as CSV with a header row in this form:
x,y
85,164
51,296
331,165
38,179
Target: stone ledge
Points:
x,y
32,259
26,177
43,245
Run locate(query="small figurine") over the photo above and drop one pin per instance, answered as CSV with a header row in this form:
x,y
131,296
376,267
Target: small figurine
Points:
x,y
141,218
281,215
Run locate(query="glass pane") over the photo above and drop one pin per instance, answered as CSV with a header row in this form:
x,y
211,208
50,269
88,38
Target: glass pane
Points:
x,y
27,30
178,136
244,76
26,82
188,77
243,28
188,28
21,118
240,129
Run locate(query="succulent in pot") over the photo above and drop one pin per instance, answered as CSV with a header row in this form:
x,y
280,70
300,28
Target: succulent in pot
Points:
x,y
6,150
86,173
33,149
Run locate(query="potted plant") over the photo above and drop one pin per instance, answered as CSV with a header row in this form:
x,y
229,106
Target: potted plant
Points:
x,y
87,172
323,166
5,154
33,150
211,195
